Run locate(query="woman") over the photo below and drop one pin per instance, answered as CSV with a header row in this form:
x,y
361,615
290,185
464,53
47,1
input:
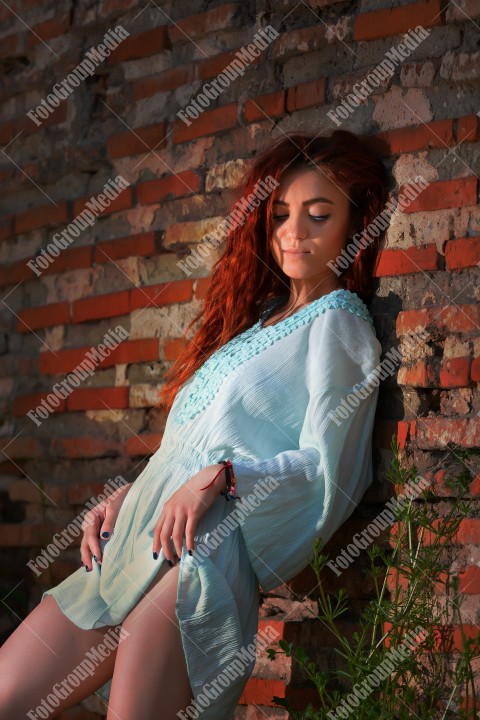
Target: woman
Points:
x,y
271,382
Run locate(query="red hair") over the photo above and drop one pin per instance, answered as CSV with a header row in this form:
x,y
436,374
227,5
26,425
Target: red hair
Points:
x,y
246,275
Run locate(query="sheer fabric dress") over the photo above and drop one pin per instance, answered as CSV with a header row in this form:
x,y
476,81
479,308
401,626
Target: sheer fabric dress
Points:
x,y
264,400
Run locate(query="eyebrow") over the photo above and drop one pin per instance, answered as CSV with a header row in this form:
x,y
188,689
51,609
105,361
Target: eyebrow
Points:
x,y
307,202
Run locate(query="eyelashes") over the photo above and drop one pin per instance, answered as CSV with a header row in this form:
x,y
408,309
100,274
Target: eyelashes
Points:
x,y
315,218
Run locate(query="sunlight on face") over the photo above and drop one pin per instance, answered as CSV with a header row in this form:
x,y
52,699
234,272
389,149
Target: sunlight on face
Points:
x,y
317,229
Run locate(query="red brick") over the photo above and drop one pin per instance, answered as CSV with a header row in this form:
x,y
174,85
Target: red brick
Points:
x,y
123,201
396,21
403,262
434,433
141,245
15,273
476,370
468,128
47,30
468,531
263,107
101,306
84,447
138,140
147,43
10,45
469,580
21,535
461,192
213,66
152,191
309,94
6,227
172,348
21,447
39,317
195,26
210,122
165,81
41,216
71,259
133,351
261,691
455,318
98,398
144,444
24,403
435,134
163,294
462,253
58,116
416,376
63,361
455,373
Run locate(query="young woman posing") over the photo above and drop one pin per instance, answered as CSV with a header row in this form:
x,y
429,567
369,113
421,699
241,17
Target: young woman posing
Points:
x,y
269,382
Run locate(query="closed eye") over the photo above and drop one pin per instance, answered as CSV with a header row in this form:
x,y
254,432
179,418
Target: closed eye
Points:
x,y
316,218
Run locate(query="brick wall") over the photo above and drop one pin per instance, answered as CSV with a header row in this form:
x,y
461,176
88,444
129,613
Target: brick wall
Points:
x,y
123,269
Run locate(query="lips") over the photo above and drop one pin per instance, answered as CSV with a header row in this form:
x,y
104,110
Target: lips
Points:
x,y
296,252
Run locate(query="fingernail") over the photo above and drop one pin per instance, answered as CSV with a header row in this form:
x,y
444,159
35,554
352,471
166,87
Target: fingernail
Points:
x,y
86,568
155,555
95,558
190,552
105,534
170,563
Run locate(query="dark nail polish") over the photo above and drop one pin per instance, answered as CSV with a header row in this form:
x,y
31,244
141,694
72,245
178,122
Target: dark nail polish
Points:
x,y
105,534
170,563
155,555
190,552
86,568
95,558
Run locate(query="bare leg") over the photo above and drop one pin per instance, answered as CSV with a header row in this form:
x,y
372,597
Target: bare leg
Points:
x,y
43,651
150,668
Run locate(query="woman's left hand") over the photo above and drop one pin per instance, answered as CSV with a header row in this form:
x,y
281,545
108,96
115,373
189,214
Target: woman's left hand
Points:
x,y
182,511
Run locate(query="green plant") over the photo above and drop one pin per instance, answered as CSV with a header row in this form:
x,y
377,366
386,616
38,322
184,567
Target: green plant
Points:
x,y
416,598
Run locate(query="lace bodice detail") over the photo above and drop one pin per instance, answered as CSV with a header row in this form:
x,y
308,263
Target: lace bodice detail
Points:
x,y
206,381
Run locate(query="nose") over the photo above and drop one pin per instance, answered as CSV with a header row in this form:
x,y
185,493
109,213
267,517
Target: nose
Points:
x,y
295,226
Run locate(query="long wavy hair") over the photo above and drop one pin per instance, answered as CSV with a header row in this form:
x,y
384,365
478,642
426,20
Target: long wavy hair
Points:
x,y
246,276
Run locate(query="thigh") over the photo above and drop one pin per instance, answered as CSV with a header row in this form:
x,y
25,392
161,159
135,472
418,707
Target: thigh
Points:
x,y
150,669
38,657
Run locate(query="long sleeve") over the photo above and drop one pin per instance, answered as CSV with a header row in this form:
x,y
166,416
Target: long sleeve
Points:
x,y
319,483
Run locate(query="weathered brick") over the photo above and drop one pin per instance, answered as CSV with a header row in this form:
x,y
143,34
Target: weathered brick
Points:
x,y
33,318
153,191
263,107
162,294
41,216
141,245
468,128
141,45
305,95
103,398
210,122
379,24
435,134
462,253
460,192
143,444
165,81
138,140
403,262
101,306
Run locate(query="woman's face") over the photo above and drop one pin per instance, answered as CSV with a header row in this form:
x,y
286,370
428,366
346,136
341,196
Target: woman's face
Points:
x,y
311,215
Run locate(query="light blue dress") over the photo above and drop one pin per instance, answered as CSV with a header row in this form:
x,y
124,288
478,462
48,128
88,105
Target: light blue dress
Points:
x,y
264,400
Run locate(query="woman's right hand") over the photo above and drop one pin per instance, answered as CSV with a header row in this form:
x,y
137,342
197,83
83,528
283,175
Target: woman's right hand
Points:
x,y
99,520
